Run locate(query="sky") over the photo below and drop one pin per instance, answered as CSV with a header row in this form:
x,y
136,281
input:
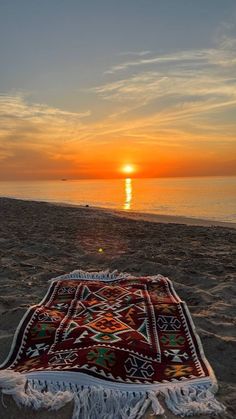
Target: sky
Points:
x,y
87,87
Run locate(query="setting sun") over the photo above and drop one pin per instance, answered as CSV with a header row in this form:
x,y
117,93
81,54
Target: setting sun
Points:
x,y
128,169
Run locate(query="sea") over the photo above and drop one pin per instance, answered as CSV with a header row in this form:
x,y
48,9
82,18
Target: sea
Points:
x,y
210,198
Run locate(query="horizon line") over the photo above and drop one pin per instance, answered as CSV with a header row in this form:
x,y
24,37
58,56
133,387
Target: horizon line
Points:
x,y
115,178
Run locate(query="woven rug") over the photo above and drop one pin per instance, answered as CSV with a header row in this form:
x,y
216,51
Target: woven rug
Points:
x,y
114,343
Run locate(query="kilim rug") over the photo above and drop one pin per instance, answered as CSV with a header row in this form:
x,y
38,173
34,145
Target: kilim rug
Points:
x,y
114,343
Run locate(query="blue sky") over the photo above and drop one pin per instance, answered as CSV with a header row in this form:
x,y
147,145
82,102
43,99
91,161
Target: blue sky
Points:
x,y
54,46
91,65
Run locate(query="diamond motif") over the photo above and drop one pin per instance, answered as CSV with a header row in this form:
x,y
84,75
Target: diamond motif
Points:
x,y
108,324
111,293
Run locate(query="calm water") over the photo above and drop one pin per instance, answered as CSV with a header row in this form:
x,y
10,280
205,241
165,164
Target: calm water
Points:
x,y
207,198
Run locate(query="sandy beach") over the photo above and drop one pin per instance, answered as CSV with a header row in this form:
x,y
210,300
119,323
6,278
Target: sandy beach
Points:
x,y
39,241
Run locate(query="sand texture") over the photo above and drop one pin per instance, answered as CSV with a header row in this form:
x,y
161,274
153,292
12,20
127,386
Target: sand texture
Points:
x,y
39,241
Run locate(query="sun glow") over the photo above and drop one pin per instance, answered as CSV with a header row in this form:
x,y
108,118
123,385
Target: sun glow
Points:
x,y
128,169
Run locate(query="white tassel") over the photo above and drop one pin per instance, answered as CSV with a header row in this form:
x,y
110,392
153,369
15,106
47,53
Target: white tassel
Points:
x,y
156,406
16,385
95,402
191,400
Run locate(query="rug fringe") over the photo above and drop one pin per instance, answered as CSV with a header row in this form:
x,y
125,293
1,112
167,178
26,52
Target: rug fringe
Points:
x,y
95,402
192,400
15,384
92,402
105,275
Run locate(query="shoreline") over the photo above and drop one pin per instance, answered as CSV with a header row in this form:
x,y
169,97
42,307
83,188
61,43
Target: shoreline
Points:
x,y
172,219
139,215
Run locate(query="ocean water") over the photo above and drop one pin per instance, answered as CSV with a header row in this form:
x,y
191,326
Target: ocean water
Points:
x,y
212,198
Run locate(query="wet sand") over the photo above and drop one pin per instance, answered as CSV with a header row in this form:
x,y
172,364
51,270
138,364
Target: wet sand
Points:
x,y
39,241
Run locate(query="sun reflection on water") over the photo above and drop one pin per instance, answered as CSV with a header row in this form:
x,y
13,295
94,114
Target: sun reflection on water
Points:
x,y
128,194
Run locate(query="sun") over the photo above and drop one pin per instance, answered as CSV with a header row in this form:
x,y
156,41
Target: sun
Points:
x,y
128,169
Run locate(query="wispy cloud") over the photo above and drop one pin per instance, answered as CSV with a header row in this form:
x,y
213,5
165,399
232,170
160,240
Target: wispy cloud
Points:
x,y
188,86
182,56
135,53
222,54
33,129
176,86
15,105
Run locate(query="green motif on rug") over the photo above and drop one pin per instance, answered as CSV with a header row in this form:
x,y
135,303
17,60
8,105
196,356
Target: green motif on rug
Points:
x,y
102,357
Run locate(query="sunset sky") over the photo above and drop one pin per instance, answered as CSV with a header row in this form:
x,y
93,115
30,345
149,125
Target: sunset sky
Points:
x,y
87,87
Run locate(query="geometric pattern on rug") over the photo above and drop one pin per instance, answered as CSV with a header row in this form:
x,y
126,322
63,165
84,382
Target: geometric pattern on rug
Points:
x,y
130,331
